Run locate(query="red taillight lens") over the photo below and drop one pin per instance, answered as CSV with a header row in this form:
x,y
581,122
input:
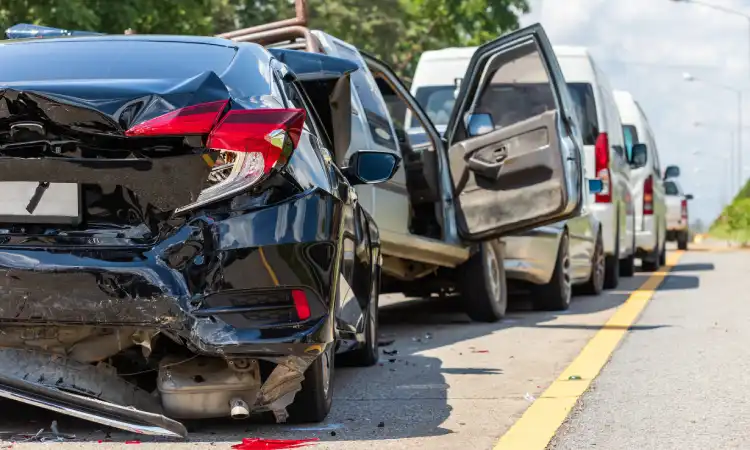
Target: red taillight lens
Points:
x,y
197,119
683,209
648,196
271,134
601,158
300,304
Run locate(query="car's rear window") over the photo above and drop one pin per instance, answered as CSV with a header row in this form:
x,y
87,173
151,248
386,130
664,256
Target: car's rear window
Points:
x,y
670,188
583,97
631,138
437,102
121,59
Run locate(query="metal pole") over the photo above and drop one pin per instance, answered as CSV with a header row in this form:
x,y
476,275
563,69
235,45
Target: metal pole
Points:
x,y
740,171
731,172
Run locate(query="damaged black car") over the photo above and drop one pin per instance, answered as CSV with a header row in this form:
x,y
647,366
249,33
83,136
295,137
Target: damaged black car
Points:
x,y
176,241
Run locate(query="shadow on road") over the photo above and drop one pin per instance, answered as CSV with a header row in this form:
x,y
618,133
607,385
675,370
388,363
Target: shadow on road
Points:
x,y
379,402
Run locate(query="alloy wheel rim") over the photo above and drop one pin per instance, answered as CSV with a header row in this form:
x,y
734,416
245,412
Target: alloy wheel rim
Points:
x,y
326,365
493,272
567,290
599,268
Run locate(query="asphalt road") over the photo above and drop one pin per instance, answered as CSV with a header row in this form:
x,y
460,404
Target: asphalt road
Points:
x,y
680,379
455,384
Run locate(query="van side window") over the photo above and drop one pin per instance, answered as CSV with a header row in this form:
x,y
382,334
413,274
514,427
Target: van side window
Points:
x,y
376,113
631,138
585,106
515,88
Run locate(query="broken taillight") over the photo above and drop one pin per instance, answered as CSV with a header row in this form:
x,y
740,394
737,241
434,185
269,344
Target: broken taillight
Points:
x,y
601,159
250,143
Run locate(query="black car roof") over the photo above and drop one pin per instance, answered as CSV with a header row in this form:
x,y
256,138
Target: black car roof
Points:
x,y
208,40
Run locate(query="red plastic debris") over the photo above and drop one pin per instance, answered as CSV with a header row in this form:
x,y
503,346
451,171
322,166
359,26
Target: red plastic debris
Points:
x,y
272,444
132,442
481,351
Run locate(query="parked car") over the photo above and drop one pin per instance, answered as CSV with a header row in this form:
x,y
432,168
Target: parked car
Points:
x,y
550,259
499,177
678,221
606,158
175,232
646,184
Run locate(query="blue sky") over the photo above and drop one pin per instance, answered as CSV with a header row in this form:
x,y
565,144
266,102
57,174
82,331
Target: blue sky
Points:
x,y
645,47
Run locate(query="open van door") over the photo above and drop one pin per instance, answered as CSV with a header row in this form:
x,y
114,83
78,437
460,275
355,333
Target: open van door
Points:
x,y
514,159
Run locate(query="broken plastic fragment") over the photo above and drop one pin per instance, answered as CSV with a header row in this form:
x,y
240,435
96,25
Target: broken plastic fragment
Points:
x,y
574,377
267,444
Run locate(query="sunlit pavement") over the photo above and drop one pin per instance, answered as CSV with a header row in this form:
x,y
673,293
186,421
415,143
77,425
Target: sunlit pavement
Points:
x,y
679,375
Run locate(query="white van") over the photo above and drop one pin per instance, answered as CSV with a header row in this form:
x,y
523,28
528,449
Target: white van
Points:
x,y
646,183
606,157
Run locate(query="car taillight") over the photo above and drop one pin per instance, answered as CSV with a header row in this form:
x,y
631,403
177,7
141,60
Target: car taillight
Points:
x,y
197,119
300,304
683,209
250,143
601,157
648,196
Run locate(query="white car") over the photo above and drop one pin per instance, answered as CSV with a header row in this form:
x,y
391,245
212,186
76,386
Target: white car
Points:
x,y
677,210
550,259
646,184
606,158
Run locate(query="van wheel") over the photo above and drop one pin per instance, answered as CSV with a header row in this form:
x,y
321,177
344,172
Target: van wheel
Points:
x,y
612,266
663,255
556,295
313,402
482,284
595,283
682,240
652,262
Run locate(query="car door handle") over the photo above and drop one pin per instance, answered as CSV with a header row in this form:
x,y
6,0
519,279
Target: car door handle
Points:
x,y
488,161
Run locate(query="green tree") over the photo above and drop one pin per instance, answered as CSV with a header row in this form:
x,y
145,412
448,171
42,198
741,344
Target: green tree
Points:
x,y
738,218
397,31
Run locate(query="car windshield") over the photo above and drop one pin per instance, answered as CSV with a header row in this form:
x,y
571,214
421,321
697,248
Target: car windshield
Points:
x,y
671,188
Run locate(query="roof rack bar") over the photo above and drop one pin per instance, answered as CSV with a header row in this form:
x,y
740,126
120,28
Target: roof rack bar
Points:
x,y
301,17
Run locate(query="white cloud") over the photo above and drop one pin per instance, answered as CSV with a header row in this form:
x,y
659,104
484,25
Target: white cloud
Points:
x,y
644,46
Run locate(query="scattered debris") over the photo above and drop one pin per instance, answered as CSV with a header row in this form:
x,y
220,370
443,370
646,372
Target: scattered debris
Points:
x,y
428,336
136,442
390,352
480,351
392,360
272,444
574,377
529,398
333,433
381,425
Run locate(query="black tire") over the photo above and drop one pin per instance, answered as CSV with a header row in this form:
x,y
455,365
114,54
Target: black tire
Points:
x,y
663,255
612,266
595,283
482,284
682,240
653,261
367,355
313,402
556,295
627,266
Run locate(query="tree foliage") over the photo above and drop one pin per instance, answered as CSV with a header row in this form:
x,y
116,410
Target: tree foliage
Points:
x,y
397,31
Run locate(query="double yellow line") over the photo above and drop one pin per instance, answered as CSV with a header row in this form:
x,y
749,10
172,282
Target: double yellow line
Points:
x,y
539,424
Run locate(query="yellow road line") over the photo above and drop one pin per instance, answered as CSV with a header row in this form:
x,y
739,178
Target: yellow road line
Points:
x,y
539,424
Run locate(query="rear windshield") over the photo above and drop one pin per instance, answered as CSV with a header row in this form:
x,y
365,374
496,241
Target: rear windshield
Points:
x,y
631,138
122,59
585,104
670,188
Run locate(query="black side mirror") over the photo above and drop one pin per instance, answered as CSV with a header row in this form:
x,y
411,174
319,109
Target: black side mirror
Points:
x,y
638,156
371,167
672,172
479,124
688,196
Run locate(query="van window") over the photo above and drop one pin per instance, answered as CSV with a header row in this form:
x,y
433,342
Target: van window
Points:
x,y
437,101
630,134
670,188
375,110
585,105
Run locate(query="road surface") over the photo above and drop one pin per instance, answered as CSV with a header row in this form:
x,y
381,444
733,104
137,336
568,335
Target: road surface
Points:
x,y
676,380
